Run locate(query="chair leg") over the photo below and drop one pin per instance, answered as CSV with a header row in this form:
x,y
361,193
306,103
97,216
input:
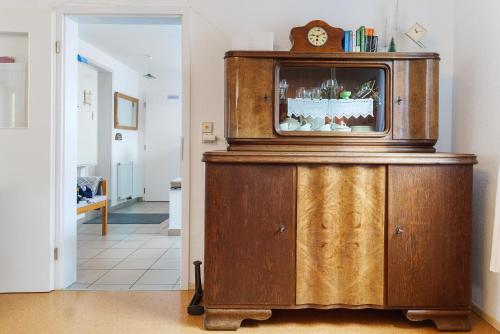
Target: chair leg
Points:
x,y
104,212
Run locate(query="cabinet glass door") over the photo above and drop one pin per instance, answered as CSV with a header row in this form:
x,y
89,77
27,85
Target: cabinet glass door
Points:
x,y
335,99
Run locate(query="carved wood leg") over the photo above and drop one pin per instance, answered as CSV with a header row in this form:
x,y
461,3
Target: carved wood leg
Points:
x,y
445,320
230,319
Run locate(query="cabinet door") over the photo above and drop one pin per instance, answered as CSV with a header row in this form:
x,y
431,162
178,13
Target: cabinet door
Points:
x,y
250,234
249,98
429,236
340,234
416,99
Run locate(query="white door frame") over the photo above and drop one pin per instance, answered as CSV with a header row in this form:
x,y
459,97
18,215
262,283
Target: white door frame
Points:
x,y
61,166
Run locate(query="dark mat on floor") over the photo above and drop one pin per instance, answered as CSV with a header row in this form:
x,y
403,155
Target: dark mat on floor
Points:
x,y
132,218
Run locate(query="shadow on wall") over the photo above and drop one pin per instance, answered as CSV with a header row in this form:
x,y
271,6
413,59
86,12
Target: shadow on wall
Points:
x,y
482,212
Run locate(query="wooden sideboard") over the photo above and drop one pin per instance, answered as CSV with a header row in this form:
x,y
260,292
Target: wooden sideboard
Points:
x,y
337,230
330,194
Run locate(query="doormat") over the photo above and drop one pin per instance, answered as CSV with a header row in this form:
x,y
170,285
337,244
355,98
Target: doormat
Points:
x,y
132,218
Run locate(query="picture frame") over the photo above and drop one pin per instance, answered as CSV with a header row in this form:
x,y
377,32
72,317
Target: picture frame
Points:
x,y
126,112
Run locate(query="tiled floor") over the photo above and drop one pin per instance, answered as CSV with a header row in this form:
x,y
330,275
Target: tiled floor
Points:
x,y
129,257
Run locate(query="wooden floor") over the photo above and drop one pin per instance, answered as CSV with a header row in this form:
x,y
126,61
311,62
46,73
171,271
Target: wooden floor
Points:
x,y
164,312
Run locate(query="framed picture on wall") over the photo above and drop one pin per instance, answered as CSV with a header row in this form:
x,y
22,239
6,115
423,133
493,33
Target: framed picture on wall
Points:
x,y
126,112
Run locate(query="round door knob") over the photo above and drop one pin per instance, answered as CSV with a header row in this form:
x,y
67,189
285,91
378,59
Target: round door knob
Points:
x,y
282,228
399,229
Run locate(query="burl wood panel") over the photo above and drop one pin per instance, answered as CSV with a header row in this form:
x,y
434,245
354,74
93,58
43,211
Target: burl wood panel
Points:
x,y
340,234
429,261
249,98
416,99
248,261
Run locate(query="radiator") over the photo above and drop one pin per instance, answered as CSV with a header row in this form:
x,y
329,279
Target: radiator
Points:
x,y
125,180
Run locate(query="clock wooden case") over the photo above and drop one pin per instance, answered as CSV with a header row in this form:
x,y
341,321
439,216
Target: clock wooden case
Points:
x,y
408,85
316,36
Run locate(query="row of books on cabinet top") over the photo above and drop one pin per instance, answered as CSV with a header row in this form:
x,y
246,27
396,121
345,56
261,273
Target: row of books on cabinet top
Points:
x,y
361,40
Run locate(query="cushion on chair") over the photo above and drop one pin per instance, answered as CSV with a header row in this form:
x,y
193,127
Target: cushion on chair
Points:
x,y
87,201
90,181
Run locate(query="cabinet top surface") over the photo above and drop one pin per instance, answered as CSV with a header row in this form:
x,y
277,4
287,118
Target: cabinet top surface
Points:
x,y
333,55
339,158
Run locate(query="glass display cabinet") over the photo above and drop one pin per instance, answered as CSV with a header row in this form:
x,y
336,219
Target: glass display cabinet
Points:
x,y
332,99
386,102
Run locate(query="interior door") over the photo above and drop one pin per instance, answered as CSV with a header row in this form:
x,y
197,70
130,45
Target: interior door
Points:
x,y
429,236
162,156
250,234
26,177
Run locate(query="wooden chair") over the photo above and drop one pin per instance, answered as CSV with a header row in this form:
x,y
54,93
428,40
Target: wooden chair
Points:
x,y
102,204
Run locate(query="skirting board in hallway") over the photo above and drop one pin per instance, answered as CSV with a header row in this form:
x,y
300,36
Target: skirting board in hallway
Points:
x,y
124,312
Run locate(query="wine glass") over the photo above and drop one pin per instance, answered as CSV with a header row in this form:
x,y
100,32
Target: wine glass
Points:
x,y
283,88
300,92
316,93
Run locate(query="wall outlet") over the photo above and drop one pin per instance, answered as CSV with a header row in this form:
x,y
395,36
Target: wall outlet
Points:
x,y
208,138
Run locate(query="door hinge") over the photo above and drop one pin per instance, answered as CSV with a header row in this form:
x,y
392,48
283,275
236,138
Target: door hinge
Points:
x,y
56,254
58,47
182,148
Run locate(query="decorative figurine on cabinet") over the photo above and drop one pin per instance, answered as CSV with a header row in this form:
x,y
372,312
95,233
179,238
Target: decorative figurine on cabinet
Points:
x,y
315,178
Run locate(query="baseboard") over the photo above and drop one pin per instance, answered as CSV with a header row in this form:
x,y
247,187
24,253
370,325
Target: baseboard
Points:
x,y
488,318
125,204
174,232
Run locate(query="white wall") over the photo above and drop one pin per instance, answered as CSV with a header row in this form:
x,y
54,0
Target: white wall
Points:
x,y
477,130
104,123
126,81
87,134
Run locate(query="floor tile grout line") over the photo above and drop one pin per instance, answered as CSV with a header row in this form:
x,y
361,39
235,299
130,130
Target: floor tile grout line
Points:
x,y
148,269
96,278
127,232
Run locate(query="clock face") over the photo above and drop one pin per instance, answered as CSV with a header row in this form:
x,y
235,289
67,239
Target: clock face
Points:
x,y
317,36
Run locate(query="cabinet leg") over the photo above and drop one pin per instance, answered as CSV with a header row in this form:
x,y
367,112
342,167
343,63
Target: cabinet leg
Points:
x,y
445,320
230,319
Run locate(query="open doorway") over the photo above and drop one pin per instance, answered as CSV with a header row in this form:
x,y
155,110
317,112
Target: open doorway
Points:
x,y
124,74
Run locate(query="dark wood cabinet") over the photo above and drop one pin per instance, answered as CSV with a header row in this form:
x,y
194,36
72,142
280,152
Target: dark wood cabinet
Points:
x,y
250,235
330,230
322,201
429,236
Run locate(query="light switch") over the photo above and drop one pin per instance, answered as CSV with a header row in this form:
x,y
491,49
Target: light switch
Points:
x,y
207,127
